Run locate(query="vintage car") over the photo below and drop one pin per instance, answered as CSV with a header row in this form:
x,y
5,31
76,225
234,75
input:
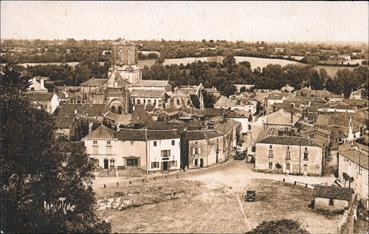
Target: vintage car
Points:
x,y
250,195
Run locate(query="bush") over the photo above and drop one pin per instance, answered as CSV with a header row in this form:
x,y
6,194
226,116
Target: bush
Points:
x,y
282,226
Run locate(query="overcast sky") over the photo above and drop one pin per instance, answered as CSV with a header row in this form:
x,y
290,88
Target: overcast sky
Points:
x,y
249,21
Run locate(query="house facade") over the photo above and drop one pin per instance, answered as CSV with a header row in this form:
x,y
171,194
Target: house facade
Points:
x,y
353,169
205,148
332,198
163,149
289,155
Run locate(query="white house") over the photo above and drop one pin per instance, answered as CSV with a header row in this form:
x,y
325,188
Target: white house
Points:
x,y
163,149
358,94
148,150
38,84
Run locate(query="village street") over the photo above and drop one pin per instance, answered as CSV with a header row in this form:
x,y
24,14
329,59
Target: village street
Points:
x,y
233,173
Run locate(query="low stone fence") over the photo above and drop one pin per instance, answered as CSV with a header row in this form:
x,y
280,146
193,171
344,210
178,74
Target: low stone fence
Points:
x,y
346,224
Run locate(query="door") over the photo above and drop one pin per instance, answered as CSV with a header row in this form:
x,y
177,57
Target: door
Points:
x,y
165,166
305,170
201,162
106,164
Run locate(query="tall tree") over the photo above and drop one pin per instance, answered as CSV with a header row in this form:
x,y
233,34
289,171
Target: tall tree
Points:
x,y
35,174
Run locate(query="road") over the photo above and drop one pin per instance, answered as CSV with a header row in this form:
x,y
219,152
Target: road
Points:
x,y
233,173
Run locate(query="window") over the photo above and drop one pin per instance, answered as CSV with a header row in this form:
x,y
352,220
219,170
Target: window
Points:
x,y
331,202
154,165
306,155
196,150
112,162
132,162
165,153
288,153
270,165
174,163
270,146
270,153
108,142
288,166
155,144
196,162
138,101
95,149
94,142
173,142
178,103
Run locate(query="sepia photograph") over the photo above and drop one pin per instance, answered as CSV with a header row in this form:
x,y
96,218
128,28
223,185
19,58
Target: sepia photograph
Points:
x,y
244,117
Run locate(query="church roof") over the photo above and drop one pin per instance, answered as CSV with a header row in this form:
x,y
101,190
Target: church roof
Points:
x,y
94,82
151,83
145,93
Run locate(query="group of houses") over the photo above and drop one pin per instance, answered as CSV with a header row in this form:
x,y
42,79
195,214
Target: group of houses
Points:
x,y
130,124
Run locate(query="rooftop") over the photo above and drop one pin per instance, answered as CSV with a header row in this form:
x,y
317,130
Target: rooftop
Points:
x,y
151,83
35,96
355,155
333,192
288,140
68,109
94,82
144,93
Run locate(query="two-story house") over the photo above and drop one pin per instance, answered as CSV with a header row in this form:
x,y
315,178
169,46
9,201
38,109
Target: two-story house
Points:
x,y
353,169
289,155
163,150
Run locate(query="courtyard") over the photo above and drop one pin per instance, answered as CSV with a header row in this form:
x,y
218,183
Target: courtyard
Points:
x,y
211,200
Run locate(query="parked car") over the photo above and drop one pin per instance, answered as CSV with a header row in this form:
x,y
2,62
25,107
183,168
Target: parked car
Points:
x,y
250,195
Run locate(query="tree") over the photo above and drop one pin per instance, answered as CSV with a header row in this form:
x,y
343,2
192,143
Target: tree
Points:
x,y
345,177
283,226
35,173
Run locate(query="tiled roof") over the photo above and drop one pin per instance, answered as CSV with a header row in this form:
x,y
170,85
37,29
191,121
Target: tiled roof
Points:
x,y
64,122
119,118
354,155
333,192
202,134
102,132
131,134
151,83
94,82
225,126
144,93
275,96
140,115
281,117
68,109
288,140
35,96
162,134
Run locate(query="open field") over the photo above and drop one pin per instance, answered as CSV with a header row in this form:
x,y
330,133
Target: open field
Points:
x,y
198,207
